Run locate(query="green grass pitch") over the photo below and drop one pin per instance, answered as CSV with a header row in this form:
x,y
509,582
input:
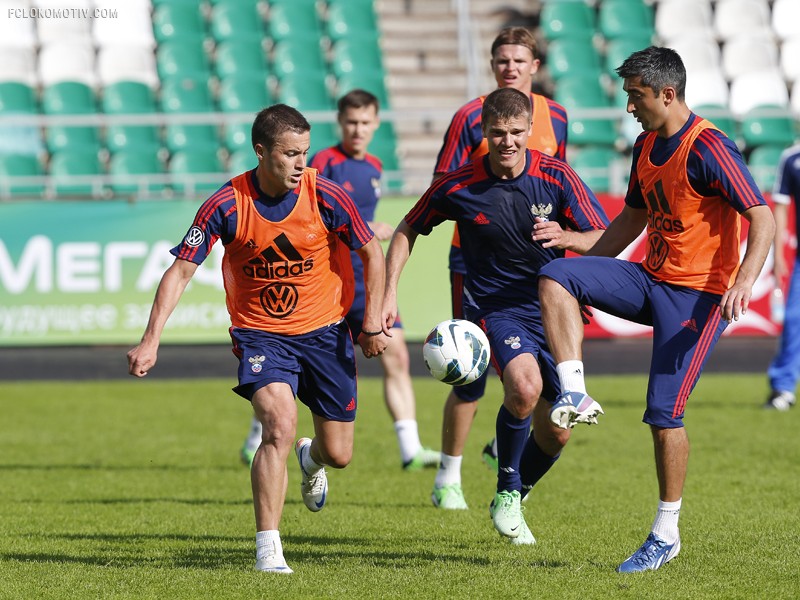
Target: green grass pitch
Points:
x,y
133,489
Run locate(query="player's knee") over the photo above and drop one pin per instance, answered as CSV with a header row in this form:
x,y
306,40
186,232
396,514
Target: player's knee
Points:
x,y
550,288
337,458
521,400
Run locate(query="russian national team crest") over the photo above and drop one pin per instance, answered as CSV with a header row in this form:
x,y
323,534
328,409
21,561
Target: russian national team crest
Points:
x,y
541,210
513,341
256,363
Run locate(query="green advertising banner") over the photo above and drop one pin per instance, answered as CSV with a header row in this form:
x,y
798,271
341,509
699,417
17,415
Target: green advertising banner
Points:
x,y
75,273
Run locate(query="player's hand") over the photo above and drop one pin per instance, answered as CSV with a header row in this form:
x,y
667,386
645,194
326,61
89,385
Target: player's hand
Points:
x,y
141,359
373,345
735,302
382,231
586,314
549,233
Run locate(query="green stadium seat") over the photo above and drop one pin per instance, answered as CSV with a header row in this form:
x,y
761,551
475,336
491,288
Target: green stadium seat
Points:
x,y
131,169
178,21
384,146
572,56
125,97
350,18
763,165
308,92
720,116
234,57
323,135
292,19
188,96
759,127
130,98
238,136
244,94
355,54
182,58
19,98
241,161
234,20
19,165
371,81
70,98
594,165
586,92
297,56
16,97
567,19
65,164
196,172
618,49
625,18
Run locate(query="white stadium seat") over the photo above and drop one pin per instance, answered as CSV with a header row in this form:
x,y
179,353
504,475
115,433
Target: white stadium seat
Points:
x,y
761,88
733,18
706,87
67,61
16,31
679,17
18,64
132,26
790,58
127,63
746,53
786,18
698,50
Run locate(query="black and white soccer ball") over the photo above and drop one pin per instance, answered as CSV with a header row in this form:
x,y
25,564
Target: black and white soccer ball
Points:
x,y
456,352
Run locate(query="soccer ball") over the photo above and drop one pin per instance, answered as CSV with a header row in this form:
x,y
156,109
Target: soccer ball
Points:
x,y
456,352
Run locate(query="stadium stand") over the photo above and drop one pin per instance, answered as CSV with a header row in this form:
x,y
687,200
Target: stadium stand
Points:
x,y
174,76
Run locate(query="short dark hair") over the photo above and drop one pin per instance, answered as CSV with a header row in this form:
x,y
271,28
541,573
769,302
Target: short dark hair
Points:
x,y
357,98
658,68
274,121
516,36
506,103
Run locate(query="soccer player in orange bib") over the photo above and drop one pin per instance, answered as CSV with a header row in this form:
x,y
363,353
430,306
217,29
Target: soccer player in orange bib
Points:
x,y
688,189
515,60
287,234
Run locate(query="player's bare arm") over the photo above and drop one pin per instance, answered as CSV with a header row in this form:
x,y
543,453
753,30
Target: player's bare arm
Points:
x,y
736,300
552,235
622,231
382,231
396,258
780,212
373,343
143,357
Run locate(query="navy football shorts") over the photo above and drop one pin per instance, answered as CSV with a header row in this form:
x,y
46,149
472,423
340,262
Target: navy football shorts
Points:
x,y
686,323
319,366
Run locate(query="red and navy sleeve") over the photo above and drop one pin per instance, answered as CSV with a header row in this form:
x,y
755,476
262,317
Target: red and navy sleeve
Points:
x,y
558,118
340,214
633,196
216,219
432,208
716,168
461,138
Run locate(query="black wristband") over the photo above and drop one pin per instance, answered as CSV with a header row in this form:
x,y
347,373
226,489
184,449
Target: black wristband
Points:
x,y
371,333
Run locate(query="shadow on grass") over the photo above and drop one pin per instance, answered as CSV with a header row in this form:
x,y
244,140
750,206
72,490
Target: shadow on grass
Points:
x,y
87,467
226,552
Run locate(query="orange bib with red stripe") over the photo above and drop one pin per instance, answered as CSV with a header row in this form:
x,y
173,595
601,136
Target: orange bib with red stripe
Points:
x,y
692,240
288,277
